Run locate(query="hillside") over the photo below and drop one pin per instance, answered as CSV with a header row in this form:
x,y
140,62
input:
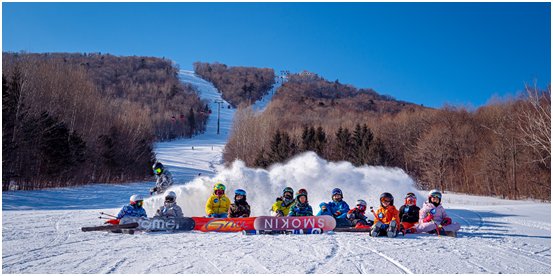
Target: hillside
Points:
x,y
70,119
501,149
237,84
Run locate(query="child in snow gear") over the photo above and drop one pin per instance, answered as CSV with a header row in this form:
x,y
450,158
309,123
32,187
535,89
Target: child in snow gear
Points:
x,y
357,215
387,217
218,203
170,209
301,208
409,214
134,209
433,218
164,179
240,208
281,207
337,208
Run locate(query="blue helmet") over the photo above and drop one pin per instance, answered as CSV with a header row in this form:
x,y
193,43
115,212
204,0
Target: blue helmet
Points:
x,y
337,191
239,192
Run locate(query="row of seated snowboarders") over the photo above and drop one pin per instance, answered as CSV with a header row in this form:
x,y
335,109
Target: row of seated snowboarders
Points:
x,y
432,218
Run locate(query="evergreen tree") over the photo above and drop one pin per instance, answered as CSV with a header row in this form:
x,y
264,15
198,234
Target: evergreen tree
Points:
x,y
320,141
343,144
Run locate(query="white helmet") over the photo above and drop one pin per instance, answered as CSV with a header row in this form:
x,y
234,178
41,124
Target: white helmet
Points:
x,y
136,198
360,202
170,196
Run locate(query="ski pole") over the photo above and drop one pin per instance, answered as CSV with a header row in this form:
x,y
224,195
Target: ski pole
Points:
x,y
102,213
105,217
372,211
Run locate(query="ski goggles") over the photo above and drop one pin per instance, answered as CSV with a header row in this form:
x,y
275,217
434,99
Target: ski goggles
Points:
x,y
386,200
138,203
158,170
361,207
436,196
219,192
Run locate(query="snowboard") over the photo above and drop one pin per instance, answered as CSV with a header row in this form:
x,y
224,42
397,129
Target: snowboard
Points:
x,y
111,227
166,224
285,232
352,229
223,224
326,223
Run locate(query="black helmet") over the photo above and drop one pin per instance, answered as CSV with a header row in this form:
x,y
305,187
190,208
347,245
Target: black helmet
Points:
x,y
301,192
288,190
158,168
388,196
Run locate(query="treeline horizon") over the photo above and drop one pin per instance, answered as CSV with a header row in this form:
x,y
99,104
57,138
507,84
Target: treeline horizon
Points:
x,y
501,149
72,119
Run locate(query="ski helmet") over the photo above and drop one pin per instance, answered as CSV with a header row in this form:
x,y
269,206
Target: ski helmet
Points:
x,y
219,189
410,199
136,200
240,192
361,204
337,191
388,196
158,168
170,197
435,193
288,190
301,192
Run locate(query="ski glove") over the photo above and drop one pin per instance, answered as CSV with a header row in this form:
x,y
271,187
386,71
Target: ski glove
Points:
x,y
428,218
337,213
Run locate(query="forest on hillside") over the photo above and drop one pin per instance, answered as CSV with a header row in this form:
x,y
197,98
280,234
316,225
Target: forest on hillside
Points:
x,y
82,118
501,149
238,85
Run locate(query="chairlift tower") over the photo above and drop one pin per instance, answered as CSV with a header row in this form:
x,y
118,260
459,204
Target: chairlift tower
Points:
x,y
218,102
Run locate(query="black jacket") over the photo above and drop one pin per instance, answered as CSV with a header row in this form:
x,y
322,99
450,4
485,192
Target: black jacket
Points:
x,y
409,213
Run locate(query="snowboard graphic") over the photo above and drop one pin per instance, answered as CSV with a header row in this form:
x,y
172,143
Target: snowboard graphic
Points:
x,y
326,223
223,224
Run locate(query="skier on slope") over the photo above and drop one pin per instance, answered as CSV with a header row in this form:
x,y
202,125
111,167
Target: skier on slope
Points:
x,y
170,209
386,221
433,218
240,208
409,214
301,208
218,203
357,217
134,209
281,207
337,208
164,179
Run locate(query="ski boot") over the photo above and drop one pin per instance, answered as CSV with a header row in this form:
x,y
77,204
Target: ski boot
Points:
x,y
392,229
376,229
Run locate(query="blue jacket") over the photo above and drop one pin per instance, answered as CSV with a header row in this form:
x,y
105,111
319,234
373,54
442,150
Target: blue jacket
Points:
x,y
333,207
300,210
131,211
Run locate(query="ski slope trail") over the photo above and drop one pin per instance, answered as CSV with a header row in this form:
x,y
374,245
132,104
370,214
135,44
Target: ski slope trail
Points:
x,y
41,229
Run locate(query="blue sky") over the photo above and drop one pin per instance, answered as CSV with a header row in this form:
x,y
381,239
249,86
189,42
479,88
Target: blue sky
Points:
x,y
425,53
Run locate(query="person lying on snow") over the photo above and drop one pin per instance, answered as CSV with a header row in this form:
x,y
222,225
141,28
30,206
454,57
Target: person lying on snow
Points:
x,y
433,218
133,210
336,208
240,208
357,217
386,221
409,214
170,209
164,179
301,208
218,203
281,207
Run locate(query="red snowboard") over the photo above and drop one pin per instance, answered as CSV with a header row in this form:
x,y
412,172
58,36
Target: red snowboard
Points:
x,y
223,224
326,223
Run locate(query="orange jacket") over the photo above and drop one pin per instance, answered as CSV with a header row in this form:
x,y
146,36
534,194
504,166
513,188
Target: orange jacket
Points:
x,y
386,215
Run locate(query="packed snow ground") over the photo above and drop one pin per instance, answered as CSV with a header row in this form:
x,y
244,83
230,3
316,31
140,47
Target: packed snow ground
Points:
x,y
41,229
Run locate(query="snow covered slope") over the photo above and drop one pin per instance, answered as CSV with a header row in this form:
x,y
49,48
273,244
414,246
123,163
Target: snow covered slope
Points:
x,y
497,236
